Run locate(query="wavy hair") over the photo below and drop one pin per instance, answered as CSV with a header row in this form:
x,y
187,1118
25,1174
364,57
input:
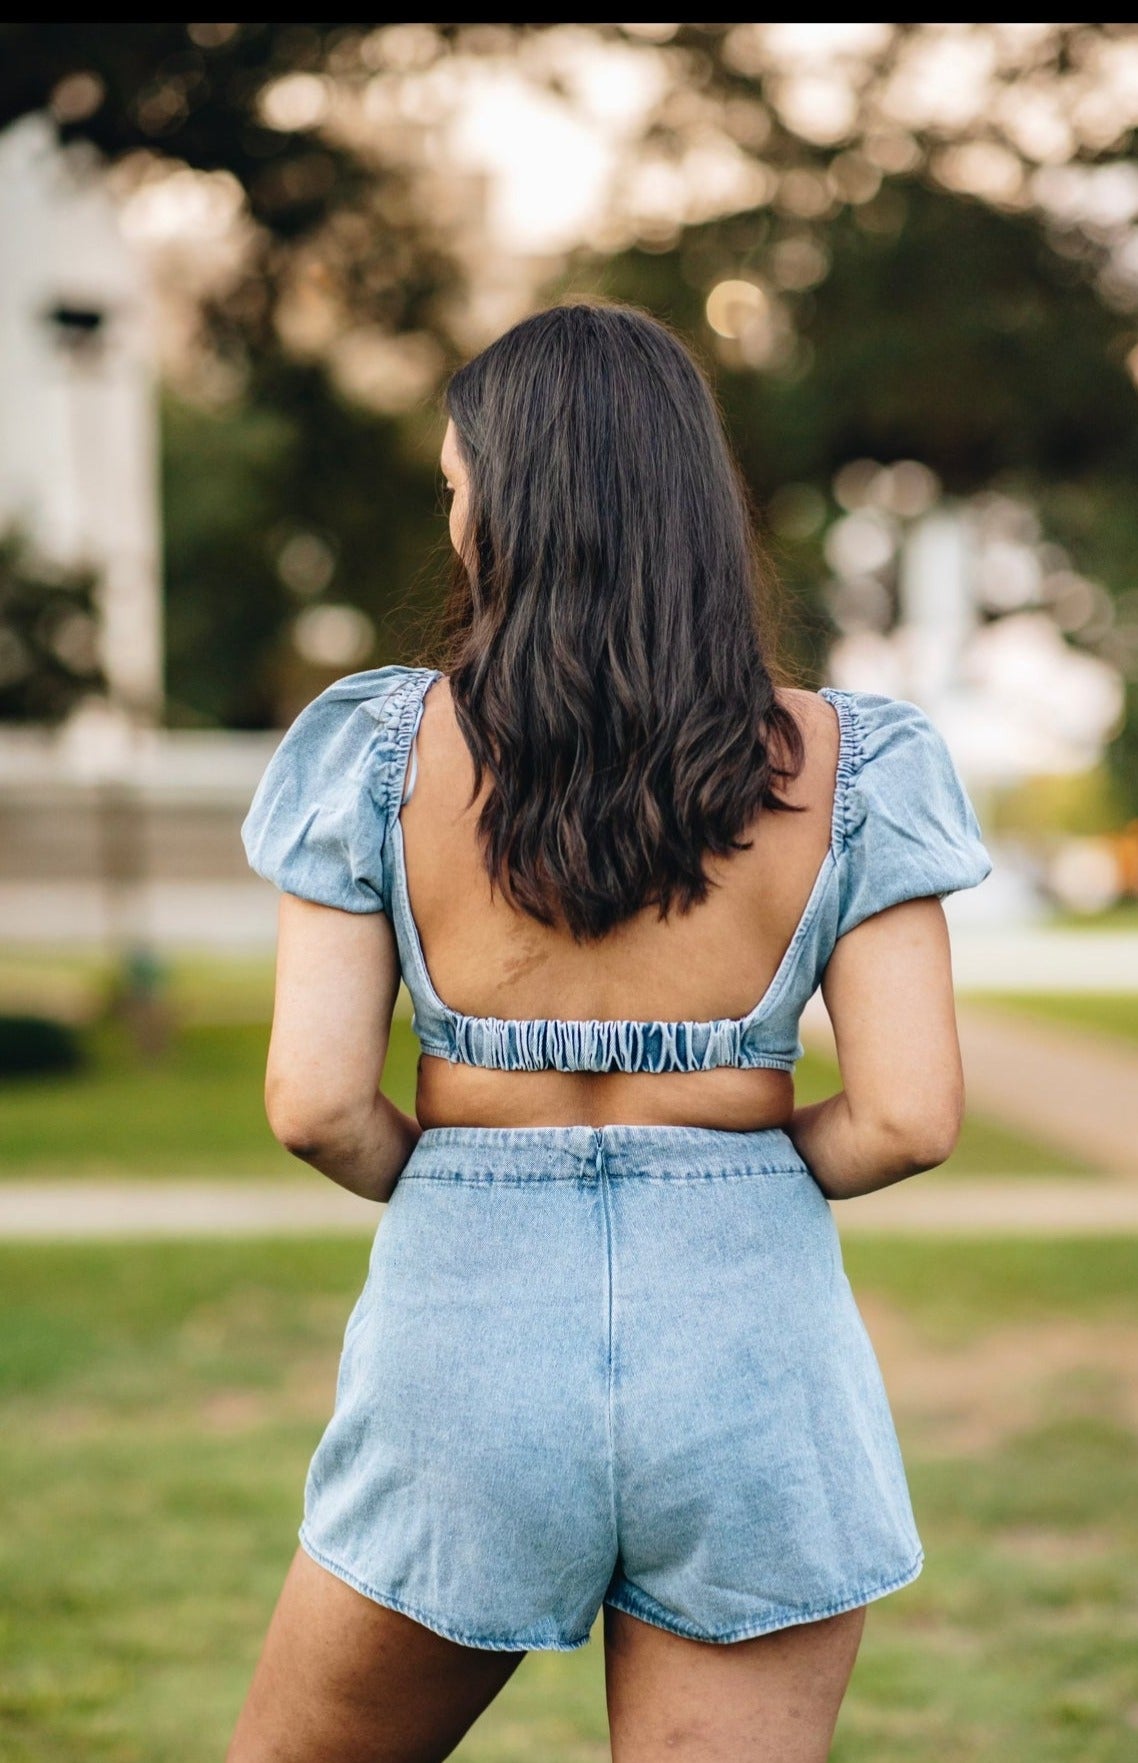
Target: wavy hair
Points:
x,y
603,640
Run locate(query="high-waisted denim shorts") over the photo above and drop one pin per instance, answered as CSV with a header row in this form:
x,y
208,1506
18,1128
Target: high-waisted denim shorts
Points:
x,y
616,1365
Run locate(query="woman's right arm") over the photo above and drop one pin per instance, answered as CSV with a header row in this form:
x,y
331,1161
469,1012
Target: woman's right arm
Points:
x,y
337,979
888,989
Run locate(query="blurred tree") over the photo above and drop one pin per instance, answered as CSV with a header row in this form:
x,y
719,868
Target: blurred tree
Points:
x,y
289,499
954,335
285,454
190,92
200,95
934,226
48,637
322,127
943,230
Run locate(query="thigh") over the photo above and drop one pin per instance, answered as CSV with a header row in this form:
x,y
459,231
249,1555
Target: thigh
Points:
x,y
342,1679
773,1699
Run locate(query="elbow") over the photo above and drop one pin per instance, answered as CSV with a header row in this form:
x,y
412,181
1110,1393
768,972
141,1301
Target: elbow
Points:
x,y
306,1136
922,1138
299,1139
309,1129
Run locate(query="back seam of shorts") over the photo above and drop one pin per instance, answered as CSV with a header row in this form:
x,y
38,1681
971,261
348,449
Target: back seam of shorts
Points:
x,y
610,1426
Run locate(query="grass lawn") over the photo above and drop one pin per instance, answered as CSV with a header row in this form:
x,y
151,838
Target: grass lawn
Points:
x,y
1123,916
198,1112
74,984
1107,1013
161,1402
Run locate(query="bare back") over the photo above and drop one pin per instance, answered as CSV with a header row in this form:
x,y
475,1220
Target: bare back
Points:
x,y
488,959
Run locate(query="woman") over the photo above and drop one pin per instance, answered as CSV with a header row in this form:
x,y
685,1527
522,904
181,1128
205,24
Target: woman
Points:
x,y
606,1353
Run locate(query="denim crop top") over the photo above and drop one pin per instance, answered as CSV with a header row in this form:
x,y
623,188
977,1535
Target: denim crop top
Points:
x,y
324,824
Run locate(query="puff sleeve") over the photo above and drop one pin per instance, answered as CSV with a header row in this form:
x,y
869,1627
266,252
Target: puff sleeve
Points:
x,y
909,829
317,822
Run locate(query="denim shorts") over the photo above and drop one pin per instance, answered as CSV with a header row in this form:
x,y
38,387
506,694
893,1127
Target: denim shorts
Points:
x,y
617,1365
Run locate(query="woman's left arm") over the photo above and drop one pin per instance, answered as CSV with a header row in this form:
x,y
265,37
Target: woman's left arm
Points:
x,y
336,985
888,988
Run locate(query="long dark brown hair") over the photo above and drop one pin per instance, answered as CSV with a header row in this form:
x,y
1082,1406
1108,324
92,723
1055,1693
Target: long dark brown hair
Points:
x,y
603,641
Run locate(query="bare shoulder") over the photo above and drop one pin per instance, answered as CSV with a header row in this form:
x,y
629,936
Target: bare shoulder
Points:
x,y
815,715
818,725
440,744
803,702
438,719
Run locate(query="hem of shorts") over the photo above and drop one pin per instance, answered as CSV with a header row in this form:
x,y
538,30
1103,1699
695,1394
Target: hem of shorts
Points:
x,y
634,1602
490,1643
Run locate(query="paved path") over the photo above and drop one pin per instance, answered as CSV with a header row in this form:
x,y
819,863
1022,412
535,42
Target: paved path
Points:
x,y
44,1210
1015,1205
162,1208
1070,1087
1065,1086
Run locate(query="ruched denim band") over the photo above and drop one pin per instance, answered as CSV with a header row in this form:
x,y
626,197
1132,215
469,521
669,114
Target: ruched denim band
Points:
x,y
538,1044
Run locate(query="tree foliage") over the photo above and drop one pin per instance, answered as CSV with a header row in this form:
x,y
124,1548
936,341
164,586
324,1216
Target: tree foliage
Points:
x,y
48,659
189,92
943,259
294,462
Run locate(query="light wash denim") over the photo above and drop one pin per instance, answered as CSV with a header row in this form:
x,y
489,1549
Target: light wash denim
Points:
x,y
620,1364
324,824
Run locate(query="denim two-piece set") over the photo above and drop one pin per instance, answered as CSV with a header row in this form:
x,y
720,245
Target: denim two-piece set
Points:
x,y
619,1364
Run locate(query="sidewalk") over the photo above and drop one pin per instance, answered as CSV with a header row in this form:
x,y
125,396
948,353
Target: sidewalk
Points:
x,y
124,1211
160,1208
1072,1087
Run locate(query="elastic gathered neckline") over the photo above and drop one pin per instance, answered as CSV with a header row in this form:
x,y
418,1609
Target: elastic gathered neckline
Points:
x,y
851,753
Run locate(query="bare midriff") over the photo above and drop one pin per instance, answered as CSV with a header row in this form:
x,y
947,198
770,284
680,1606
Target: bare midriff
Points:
x,y
485,958
467,1095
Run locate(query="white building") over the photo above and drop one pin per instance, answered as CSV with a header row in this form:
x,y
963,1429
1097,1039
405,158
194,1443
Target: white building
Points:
x,y
78,421
113,829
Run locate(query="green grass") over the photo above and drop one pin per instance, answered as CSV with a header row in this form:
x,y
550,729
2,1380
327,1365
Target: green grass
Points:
x,y
199,987
198,1112
1123,916
955,1291
161,1401
1107,1013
